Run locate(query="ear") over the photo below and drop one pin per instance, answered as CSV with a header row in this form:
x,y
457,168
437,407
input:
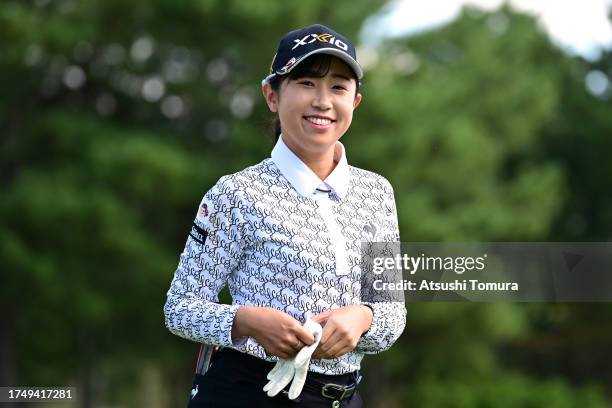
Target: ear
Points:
x,y
270,96
357,100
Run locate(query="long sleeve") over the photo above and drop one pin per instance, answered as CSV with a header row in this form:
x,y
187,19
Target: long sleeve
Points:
x,y
212,252
389,317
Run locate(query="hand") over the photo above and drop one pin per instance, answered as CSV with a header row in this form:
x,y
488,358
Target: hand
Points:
x,y
293,370
342,329
277,332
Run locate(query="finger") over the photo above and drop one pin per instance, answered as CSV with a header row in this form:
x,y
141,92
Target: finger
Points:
x,y
288,349
268,385
313,327
338,350
334,341
278,375
323,354
319,352
299,379
285,353
305,353
285,376
335,337
304,335
321,317
274,379
328,331
275,370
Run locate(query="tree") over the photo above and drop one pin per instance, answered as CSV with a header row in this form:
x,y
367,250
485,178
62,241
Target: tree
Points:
x,y
457,117
118,117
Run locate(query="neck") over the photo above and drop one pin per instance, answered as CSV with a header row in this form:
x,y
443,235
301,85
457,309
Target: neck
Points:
x,y
321,163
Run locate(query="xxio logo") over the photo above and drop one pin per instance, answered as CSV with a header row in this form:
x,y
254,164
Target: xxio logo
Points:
x,y
326,38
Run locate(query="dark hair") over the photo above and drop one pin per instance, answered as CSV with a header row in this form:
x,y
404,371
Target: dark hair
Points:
x,y
316,66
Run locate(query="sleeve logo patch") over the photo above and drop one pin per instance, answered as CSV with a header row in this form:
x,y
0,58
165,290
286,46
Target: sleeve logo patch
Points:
x,y
198,234
203,211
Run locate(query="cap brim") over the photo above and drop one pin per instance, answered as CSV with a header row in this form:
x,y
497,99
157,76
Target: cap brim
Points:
x,y
354,65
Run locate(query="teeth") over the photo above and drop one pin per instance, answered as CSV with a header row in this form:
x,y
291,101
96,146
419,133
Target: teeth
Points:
x,y
318,121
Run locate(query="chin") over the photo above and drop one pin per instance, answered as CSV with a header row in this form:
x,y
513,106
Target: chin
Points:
x,y
323,139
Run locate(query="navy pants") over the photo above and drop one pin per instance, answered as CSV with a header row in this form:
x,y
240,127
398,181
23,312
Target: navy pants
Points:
x,y
235,379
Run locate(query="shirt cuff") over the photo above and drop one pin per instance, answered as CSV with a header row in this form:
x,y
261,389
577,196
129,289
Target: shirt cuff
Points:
x,y
374,326
228,341
371,324
239,341
387,325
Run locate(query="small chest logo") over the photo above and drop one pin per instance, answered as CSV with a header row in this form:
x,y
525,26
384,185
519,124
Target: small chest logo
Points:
x,y
370,229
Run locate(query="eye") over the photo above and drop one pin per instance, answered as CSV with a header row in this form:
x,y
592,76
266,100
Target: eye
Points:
x,y
306,82
341,87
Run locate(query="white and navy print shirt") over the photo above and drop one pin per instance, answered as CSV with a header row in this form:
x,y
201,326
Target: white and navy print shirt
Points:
x,y
280,237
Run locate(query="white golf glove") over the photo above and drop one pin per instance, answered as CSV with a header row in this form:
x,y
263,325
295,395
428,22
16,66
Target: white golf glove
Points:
x,y
295,368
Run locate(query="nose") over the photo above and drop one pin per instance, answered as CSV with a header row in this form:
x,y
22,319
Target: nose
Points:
x,y
322,99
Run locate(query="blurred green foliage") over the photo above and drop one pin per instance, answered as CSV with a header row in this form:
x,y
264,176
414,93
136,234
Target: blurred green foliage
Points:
x,y
116,118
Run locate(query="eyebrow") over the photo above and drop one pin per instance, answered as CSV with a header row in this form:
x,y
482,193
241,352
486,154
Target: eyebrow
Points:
x,y
341,76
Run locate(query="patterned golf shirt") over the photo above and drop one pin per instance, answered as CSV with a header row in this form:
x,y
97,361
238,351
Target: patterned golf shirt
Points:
x,y
280,237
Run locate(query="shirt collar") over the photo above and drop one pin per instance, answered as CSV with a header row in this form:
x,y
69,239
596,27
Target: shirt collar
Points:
x,y
304,180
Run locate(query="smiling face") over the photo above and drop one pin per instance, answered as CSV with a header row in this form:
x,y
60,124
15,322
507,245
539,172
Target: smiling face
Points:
x,y
315,111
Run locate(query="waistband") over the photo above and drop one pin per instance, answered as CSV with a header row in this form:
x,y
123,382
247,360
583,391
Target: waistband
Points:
x,y
258,369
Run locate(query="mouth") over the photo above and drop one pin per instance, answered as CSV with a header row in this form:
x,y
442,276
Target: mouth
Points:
x,y
318,120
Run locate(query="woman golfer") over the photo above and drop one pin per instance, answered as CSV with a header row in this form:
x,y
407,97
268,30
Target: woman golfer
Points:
x,y
285,236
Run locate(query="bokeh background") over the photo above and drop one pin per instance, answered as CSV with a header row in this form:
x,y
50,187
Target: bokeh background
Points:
x,y
117,116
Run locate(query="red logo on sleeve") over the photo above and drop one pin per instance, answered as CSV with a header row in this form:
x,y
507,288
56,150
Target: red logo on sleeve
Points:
x,y
203,210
